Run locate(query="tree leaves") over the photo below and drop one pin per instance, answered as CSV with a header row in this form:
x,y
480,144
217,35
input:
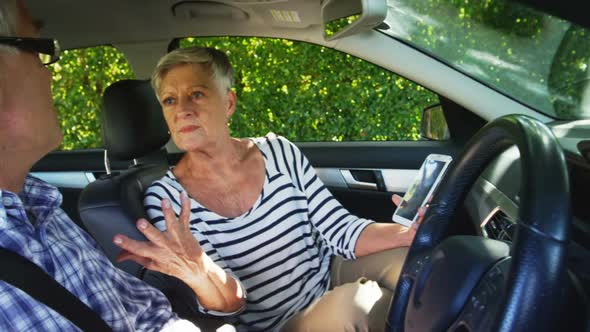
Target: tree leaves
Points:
x,y
307,92
302,91
79,80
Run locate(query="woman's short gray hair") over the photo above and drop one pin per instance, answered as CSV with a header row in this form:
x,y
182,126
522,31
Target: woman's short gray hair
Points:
x,y
215,60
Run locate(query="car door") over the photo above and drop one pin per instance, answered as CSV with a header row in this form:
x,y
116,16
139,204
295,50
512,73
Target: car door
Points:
x,y
364,175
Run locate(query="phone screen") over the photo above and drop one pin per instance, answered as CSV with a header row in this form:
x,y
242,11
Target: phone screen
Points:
x,y
429,174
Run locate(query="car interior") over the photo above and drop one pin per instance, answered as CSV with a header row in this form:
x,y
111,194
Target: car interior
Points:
x,y
505,244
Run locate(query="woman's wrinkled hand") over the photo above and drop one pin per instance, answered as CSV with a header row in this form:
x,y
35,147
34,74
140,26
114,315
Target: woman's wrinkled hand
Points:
x,y
174,252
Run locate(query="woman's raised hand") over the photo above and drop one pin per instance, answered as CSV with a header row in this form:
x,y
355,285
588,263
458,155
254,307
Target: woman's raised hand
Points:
x,y
174,252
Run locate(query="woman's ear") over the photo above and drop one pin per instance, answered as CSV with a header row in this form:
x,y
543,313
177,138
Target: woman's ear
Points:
x,y
231,104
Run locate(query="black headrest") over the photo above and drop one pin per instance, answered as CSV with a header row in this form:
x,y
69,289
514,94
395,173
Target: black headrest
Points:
x,y
132,120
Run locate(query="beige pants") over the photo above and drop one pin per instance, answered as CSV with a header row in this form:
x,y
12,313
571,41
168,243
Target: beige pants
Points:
x,y
360,297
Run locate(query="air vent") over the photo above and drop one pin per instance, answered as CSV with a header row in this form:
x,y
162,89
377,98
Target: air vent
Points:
x,y
499,226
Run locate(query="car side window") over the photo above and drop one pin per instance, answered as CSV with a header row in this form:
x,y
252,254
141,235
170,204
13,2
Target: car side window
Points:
x,y
307,92
79,80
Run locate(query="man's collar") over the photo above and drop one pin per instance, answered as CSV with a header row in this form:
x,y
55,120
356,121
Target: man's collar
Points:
x,y
37,192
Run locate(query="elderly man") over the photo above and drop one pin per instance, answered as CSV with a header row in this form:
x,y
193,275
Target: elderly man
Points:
x,y
31,221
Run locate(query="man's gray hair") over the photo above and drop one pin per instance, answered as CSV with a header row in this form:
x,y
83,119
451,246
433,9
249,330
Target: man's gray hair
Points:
x,y
215,60
8,14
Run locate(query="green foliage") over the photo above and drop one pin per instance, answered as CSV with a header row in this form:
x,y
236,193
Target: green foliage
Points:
x,y
435,125
79,80
307,92
301,91
499,15
483,37
540,60
334,26
569,75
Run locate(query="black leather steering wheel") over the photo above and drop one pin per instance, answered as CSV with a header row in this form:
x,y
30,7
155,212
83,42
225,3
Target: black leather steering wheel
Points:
x,y
470,283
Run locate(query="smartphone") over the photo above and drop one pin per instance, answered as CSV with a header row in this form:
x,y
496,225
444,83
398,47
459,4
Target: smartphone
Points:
x,y
431,172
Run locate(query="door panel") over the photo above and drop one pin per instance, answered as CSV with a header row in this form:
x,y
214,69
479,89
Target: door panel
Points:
x,y
67,179
71,172
341,166
394,180
396,163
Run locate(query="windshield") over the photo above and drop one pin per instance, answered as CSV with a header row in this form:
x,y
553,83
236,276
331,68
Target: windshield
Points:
x,y
540,60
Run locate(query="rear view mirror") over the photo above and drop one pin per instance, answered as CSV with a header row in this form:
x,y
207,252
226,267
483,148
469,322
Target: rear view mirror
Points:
x,y
434,125
344,18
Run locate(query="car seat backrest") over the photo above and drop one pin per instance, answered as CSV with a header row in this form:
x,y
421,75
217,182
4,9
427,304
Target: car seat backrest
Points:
x,y
133,128
132,122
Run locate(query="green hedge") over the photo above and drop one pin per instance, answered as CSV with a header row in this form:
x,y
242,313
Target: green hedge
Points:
x,y
302,91
79,79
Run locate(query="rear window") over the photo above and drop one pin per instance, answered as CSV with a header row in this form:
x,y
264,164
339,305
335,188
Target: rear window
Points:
x,y
79,80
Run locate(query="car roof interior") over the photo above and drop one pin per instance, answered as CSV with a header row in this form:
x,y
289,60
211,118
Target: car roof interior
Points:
x,y
110,22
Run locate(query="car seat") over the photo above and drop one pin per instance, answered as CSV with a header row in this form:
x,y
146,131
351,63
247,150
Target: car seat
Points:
x,y
134,130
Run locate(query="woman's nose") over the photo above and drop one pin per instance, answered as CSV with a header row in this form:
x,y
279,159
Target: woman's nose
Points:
x,y
186,107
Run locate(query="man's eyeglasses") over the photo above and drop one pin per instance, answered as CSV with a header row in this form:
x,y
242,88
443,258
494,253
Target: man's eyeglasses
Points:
x,y
47,49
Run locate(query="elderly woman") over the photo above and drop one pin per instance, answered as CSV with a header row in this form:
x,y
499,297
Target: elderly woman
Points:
x,y
247,224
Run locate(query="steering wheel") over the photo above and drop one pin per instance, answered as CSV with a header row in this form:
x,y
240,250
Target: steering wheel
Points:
x,y
470,283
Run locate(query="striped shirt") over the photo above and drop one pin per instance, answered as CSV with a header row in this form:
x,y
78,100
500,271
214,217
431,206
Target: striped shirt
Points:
x,y
33,226
279,250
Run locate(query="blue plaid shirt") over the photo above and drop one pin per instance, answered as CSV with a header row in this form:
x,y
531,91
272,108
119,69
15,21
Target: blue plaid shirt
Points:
x,y
33,225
